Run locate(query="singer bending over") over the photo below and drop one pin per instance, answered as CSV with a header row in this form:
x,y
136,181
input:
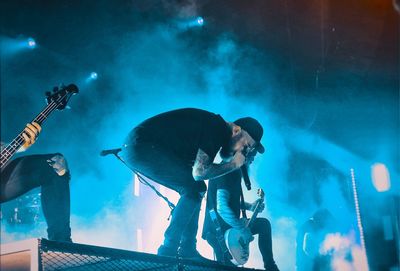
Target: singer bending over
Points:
x,y
177,149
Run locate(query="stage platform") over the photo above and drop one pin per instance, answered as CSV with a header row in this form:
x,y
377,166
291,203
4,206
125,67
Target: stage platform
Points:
x,y
42,254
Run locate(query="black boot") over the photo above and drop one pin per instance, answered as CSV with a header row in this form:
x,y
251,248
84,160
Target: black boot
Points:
x,y
271,266
191,253
167,251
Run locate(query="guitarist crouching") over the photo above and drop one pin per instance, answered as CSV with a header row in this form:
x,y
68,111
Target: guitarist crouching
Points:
x,y
51,173
224,201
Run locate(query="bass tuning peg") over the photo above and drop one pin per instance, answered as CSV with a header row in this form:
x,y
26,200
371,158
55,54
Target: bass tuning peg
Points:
x,y
48,93
55,89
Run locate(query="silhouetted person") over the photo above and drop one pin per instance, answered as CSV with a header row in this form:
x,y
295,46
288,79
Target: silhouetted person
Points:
x,y
48,171
309,240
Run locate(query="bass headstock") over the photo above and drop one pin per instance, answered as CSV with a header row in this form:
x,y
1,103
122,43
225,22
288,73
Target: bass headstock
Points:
x,y
61,95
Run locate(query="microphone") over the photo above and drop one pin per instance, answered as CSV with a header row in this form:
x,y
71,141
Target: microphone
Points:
x,y
245,174
112,151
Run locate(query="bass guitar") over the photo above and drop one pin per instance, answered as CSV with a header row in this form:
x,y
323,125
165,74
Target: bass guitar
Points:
x,y
57,99
235,238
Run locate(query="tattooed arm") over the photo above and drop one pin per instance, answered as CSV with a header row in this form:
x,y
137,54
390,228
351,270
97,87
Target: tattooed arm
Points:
x,y
204,168
225,211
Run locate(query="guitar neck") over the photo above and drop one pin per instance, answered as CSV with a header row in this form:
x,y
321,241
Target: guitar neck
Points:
x,y
254,216
18,141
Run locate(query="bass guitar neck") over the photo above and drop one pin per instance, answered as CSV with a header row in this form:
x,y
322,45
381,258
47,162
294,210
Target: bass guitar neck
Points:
x,y
56,100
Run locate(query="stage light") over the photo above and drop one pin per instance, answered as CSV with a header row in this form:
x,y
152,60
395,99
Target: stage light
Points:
x,y
139,239
31,43
200,21
380,177
93,75
136,185
188,23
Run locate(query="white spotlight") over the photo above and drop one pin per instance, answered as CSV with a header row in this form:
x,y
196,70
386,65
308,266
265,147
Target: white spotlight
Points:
x,y
93,75
380,177
31,43
200,21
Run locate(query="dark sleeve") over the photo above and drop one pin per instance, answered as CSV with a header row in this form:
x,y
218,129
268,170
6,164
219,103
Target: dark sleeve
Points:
x,y
230,181
213,135
224,182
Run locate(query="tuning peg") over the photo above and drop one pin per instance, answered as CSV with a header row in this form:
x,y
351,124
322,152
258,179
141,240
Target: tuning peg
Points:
x,y
55,89
48,93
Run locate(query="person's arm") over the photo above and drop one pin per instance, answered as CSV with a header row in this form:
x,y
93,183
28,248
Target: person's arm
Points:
x,y
252,206
225,211
204,168
310,244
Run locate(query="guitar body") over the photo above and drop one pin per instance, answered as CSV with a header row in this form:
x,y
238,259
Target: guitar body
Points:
x,y
235,239
238,248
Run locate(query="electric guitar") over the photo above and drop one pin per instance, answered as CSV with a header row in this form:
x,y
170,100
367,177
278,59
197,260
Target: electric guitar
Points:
x,y
235,239
57,99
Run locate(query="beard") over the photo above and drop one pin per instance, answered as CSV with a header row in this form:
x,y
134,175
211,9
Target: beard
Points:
x,y
228,150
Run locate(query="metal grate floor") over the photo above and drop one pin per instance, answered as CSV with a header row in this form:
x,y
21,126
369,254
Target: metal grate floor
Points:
x,y
71,256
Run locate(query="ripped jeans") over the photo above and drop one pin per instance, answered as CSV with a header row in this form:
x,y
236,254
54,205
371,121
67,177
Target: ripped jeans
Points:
x,y
28,172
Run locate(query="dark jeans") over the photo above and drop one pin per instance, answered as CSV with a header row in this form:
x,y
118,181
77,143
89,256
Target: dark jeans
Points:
x,y
28,172
262,227
166,168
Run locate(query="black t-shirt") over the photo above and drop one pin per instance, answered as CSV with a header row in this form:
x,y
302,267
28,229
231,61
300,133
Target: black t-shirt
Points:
x,y
230,182
183,132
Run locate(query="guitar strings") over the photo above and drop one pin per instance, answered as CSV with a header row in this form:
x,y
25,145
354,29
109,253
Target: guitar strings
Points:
x,y
19,139
50,107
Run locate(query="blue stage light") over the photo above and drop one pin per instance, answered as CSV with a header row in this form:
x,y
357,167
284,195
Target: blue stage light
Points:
x,y
31,43
200,21
93,75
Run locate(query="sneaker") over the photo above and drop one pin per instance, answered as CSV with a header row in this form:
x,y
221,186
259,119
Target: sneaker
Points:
x,y
167,251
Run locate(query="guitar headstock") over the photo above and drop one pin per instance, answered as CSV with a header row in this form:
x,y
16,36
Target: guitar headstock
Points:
x,y
260,193
61,95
